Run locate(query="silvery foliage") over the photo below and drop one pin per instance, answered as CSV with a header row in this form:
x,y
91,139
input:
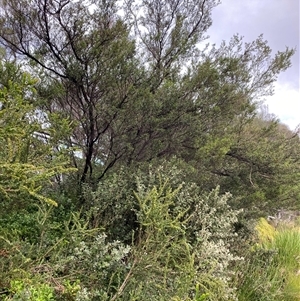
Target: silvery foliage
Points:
x,y
206,218
97,263
208,221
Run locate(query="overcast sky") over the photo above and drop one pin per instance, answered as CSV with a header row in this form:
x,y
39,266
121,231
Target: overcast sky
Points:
x,y
278,21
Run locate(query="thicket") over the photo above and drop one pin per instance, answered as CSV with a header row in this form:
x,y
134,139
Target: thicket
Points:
x,y
133,165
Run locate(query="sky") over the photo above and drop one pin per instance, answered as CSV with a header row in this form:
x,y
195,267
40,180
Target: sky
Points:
x,y
278,21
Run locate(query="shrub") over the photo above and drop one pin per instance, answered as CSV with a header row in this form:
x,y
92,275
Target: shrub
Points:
x,y
182,236
177,238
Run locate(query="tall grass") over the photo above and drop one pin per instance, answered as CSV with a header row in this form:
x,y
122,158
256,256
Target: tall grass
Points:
x,y
272,269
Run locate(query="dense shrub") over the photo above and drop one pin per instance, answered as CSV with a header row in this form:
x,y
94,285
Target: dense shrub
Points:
x,y
145,207
177,238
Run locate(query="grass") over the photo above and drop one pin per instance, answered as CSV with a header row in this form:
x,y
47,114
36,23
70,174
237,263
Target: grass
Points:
x,y
272,269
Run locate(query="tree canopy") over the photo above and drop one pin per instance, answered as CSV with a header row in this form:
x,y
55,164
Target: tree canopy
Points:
x,y
137,87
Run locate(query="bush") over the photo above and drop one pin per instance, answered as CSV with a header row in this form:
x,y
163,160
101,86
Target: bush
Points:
x,y
175,238
182,234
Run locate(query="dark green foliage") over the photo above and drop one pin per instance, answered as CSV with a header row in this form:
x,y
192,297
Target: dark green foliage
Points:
x,y
136,95
260,172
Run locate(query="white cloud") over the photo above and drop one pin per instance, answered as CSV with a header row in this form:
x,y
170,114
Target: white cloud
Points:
x,y
285,104
278,20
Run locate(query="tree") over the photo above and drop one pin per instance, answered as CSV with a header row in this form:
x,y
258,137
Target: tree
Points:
x,y
82,53
137,87
263,166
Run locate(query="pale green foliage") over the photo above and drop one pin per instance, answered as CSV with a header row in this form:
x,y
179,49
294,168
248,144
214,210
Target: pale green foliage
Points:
x,y
200,233
164,262
23,291
27,161
77,264
181,235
